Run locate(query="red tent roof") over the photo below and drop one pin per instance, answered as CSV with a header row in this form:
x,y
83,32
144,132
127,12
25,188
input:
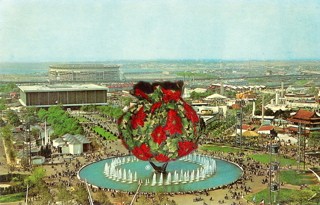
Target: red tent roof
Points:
x,y
266,128
247,127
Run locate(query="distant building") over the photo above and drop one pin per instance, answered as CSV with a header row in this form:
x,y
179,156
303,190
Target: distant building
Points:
x,y
65,95
266,129
84,73
72,144
299,98
308,121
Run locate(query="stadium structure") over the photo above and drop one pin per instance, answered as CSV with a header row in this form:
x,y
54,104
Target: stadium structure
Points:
x,y
63,94
84,73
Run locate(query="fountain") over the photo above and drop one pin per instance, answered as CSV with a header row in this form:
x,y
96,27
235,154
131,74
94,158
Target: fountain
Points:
x,y
207,168
190,173
161,130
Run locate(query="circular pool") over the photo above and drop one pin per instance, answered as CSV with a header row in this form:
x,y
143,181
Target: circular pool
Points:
x,y
191,173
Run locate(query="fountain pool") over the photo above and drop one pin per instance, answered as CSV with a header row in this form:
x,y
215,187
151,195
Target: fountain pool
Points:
x,y
194,172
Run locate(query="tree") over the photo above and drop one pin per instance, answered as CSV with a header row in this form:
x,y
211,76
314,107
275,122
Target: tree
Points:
x,y
61,122
35,132
268,112
36,176
6,135
42,114
2,104
9,87
30,115
113,112
258,112
197,96
13,118
37,185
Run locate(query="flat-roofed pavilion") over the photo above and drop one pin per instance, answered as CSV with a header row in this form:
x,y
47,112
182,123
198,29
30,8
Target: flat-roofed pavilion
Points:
x,y
63,94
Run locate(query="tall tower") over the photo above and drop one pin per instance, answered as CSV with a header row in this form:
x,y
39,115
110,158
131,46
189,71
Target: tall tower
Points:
x,y
282,90
277,97
221,88
274,168
239,116
262,110
253,108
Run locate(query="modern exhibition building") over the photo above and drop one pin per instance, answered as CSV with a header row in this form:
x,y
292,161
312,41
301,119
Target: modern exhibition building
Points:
x,y
84,73
67,95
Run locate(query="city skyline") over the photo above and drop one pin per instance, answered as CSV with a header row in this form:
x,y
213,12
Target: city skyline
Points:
x,y
42,31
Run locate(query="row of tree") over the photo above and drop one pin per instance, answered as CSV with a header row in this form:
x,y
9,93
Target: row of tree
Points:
x,y
110,111
60,120
7,137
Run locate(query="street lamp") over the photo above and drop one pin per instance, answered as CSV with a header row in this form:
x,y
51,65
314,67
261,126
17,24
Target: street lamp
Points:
x,y
28,139
301,142
274,167
239,117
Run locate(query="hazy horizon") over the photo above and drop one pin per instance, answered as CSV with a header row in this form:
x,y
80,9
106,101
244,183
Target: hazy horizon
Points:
x,y
121,30
163,60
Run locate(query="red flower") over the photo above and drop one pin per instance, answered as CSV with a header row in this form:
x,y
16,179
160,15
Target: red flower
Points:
x,y
190,113
185,148
138,119
142,152
155,106
173,124
169,95
162,158
158,135
140,93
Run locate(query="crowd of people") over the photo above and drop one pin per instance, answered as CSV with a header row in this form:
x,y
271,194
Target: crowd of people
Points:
x,y
253,172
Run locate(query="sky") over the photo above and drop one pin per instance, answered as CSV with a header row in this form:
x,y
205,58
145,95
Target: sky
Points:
x,y
104,30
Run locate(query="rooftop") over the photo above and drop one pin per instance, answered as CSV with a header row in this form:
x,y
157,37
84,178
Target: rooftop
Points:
x,y
305,114
266,128
83,66
61,87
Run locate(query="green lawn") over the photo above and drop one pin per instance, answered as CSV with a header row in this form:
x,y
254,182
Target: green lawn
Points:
x,y
301,82
285,195
265,158
295,178
215,148
12,197
105,134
